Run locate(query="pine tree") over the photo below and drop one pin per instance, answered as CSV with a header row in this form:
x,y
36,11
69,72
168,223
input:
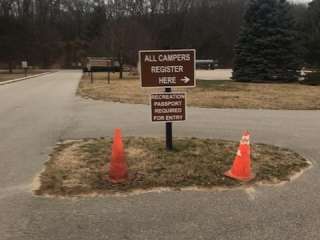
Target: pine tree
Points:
x,y
313,33
267,49
289,57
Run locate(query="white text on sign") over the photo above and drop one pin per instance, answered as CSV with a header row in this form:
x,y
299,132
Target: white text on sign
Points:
x,y
167,69
167,58
168,107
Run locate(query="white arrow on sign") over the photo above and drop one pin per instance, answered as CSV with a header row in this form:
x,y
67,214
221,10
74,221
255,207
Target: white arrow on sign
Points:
x,y
185,80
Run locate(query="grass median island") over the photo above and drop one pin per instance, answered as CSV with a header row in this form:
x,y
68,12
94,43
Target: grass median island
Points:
x,y
209,94
80,167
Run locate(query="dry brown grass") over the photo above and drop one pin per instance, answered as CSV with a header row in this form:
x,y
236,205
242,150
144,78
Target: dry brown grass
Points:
x,y
81,167
5,75
127,90
210,94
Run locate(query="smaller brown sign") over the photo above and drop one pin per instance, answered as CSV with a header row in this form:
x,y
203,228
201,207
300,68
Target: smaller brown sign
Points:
x,y
168,107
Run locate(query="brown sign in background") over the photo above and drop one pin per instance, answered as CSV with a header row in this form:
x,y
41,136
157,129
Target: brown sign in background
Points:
x,y
167,68
99,62
168,107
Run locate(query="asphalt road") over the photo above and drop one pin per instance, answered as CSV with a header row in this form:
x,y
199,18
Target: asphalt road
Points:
x,y
217,74
36,113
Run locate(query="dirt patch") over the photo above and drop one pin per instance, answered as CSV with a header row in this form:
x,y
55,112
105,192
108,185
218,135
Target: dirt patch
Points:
x,y
209,94
80,167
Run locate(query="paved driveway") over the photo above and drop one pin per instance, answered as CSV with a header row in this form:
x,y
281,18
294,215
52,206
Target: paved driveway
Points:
x,y
35,114
217,74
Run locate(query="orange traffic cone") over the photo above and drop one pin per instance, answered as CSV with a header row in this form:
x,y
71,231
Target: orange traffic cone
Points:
x,y
118,169
241,169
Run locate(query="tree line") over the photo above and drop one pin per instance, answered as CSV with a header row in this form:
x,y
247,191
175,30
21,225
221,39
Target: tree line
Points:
x,y
63,32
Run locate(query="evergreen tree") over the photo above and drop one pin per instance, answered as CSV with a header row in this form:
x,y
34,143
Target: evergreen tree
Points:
x,y
268,46
313,33
289,57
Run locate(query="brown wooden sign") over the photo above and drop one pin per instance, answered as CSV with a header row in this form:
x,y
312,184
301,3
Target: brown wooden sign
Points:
x,y
168,107
99,62
167,68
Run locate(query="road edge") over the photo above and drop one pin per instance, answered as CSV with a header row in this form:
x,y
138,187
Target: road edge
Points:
x,y
24,78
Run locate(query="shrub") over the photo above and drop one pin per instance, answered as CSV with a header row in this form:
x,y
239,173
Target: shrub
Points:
x,y
312,78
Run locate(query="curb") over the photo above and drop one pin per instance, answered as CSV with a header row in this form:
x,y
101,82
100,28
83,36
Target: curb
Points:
x,y
24,78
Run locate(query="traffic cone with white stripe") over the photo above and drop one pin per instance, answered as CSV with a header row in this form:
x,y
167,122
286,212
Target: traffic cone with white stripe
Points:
x,y
241,169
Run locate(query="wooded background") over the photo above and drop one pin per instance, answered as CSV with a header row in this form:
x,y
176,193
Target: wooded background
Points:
x,y
62,32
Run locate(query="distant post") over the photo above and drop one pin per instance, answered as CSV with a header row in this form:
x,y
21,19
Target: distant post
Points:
x,y
24,65
90,72
121,67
